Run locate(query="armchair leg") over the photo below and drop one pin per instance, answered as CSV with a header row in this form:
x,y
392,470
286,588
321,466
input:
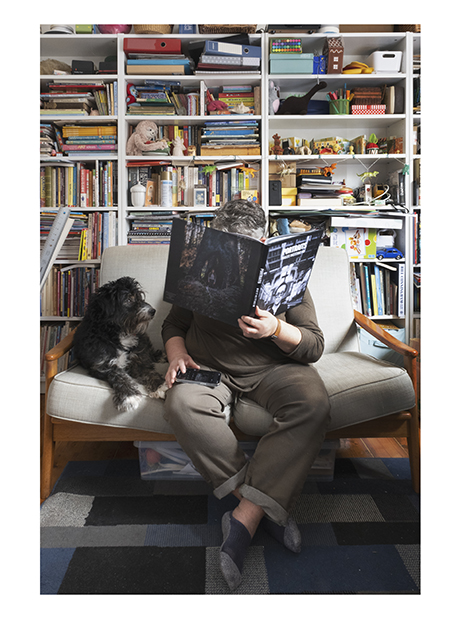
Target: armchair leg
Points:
x,y
413,445
47,461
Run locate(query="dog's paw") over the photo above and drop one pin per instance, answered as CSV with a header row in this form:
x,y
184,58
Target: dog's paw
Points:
x,y
159,392
130,403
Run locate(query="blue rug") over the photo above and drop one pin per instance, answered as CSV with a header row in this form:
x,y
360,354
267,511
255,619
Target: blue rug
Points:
x,y
106,531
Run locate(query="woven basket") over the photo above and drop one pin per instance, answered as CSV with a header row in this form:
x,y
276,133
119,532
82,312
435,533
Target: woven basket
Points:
x,y
153,28
227,28
408,27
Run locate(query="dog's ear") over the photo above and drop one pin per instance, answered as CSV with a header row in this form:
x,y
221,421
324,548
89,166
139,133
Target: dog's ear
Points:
x,y
104,302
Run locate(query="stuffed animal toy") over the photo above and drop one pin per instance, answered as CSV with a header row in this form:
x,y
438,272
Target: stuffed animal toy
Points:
x,y
274,100
144,138
299,106
217,105
132,94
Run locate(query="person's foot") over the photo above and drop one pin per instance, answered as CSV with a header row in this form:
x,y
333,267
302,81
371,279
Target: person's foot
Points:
x,y
288,535
236,541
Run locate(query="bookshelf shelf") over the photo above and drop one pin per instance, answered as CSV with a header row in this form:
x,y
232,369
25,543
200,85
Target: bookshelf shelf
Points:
x,y
357,46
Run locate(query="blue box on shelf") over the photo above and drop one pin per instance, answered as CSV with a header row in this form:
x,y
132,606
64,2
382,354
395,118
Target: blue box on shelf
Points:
x,y
319,64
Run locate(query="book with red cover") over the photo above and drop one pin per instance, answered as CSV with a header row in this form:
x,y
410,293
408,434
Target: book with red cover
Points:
x,y
152,45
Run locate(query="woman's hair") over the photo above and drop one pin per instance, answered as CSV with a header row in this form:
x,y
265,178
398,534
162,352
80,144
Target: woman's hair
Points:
x,y
241,216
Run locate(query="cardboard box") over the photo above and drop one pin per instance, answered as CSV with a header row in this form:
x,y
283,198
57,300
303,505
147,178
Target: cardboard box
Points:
x,y
366,28
287,181
276,165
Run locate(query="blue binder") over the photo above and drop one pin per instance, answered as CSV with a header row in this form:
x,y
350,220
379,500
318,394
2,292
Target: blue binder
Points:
x,y
231,49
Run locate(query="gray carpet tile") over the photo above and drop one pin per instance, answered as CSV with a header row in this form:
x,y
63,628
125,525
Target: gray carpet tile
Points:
x,y
410,555
116,536
336,508
66,510
254,575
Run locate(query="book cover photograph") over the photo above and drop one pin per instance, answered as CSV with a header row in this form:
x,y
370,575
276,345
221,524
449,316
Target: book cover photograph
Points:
x,y
226,275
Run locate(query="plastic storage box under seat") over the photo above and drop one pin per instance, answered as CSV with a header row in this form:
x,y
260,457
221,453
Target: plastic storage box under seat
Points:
x,y
167,461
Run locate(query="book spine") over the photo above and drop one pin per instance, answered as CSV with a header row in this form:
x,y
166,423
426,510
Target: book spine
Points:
x,y
401,290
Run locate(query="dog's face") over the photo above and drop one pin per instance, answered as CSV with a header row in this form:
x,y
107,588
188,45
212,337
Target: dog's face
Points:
x,y
122,302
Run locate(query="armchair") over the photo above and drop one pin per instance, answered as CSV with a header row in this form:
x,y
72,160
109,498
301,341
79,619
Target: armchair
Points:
x,y
369,397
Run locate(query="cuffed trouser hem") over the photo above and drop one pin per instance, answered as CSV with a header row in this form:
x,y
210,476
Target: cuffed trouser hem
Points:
x,y
270,507
231,484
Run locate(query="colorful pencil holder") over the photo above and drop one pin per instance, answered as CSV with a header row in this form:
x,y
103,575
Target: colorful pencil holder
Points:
x,y
339,107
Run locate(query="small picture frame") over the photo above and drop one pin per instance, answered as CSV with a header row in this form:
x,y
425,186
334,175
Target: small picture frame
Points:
x,y
199,197
150,193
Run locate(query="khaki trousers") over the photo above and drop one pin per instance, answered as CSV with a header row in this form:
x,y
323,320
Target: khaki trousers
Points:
x,y
273,478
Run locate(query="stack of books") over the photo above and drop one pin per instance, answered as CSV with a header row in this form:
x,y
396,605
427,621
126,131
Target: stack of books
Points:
x,y
78,99
88,140
312,186
162,98
227,57
236,95
150,229
230,137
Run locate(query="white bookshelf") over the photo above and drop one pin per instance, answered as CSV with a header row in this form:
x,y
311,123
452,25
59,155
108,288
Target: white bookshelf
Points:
x,y
357,46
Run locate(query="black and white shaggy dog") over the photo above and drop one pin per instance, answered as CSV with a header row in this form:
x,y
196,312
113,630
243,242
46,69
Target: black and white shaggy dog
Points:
x,y
112,344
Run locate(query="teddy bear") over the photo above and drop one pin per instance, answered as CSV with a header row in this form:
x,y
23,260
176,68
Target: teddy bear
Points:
x,y
144,138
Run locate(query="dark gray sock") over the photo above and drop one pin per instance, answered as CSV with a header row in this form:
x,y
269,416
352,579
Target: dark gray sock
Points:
x,y
236,541
288,535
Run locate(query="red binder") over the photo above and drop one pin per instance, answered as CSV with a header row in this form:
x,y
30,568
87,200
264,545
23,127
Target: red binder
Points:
x,y
152,45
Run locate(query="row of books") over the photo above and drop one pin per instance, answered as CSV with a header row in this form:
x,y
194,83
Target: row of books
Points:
x,y
79,184
230,137
89,235
51,334
378,290
64,98
227,181
67,291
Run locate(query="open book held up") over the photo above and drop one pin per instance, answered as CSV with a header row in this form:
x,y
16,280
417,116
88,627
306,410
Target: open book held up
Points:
x,y
226,275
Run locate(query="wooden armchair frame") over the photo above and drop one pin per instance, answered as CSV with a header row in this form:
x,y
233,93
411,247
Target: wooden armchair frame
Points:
x,y
403,424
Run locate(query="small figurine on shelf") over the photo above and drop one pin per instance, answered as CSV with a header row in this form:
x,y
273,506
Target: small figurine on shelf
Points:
x,y
367,174
372,145
328,171
304,150
144,139
276,149
178,147
241,108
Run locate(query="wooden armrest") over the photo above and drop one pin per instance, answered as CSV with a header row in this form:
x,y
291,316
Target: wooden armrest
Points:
x,y
377,332
61,348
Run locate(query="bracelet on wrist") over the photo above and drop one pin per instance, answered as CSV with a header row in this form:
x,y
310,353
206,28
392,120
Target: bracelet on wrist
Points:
x,y
276,333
